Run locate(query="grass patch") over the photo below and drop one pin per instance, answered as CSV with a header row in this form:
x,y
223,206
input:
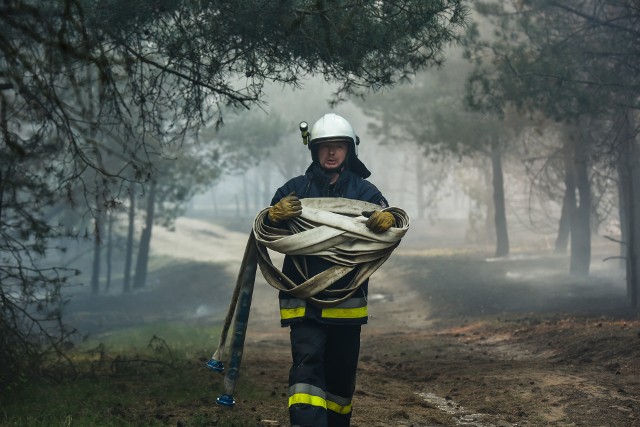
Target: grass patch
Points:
x,y
185,340
150,375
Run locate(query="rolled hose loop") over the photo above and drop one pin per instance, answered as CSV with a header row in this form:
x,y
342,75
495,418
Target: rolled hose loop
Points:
x,y
331,228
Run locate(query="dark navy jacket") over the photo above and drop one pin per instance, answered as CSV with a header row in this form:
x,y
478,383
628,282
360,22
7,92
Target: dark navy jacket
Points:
x,y
315,183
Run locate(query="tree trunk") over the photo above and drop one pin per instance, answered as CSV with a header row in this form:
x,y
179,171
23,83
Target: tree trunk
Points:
x,y
500,214
581,218
109,249
569,199
142,261
489,236
420,186
403,178
266,188
126,285
633,254
245,194
628,187
97,247
257,192
624,186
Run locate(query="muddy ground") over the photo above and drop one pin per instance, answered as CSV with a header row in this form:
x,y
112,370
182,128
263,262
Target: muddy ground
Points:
x,y
457,341
455,338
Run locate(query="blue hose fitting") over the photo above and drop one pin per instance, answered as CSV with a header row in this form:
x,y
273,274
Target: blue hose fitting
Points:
x,y
226,400
215,365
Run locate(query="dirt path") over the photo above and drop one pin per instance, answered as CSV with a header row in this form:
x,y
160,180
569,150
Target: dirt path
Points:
x,y
430,360
459,341
485,349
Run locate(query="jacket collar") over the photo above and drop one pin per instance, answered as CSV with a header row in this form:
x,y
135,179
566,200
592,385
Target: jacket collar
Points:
x,y
322,180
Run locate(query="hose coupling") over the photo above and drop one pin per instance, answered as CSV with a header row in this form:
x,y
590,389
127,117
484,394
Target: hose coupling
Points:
x,y
226,400
215,365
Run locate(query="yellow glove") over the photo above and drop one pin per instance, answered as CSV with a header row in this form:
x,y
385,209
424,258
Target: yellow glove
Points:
x,y
288,207
379,221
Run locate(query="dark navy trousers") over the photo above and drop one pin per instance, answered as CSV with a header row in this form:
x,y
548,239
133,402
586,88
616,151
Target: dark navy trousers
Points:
x,y
322,378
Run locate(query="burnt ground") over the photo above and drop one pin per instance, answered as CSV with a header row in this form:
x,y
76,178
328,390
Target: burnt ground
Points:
x,y
455,339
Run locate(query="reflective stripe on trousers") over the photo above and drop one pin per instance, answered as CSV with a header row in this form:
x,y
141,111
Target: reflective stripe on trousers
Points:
x,y
306,394
322,377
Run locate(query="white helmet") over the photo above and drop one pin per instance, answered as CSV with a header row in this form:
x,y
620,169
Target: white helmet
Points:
x,y
332,126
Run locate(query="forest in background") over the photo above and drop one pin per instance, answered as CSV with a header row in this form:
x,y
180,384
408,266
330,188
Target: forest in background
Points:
x,y
118,117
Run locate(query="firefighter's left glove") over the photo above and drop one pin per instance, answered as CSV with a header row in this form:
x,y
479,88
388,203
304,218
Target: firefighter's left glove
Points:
x,y
379,221
287,208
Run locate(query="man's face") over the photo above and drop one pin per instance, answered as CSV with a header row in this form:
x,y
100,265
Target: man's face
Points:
x,y
331,154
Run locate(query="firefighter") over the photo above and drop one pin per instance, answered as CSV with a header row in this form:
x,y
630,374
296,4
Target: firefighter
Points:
x,y
325,342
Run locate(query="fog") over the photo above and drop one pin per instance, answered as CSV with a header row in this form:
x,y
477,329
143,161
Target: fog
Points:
x,y
451,185
456,218
453,215
139,142
393,165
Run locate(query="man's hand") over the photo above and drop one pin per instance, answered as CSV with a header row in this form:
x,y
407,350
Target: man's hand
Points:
x,y
287,208
379,221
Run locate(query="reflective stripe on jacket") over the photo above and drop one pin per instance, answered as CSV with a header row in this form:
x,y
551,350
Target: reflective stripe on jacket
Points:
x,y
351,309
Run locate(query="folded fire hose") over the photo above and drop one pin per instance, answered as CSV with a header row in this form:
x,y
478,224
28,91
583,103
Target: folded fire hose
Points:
x,y
331,228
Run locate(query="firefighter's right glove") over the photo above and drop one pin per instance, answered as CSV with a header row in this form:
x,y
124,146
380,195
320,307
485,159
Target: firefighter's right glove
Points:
x,y
287,208
379,221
